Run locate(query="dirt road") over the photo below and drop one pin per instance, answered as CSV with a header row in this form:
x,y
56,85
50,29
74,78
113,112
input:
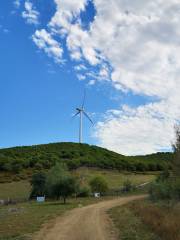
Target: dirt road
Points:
x,y
86,223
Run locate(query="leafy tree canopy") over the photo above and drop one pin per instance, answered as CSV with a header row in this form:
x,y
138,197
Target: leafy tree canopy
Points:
x,y
98,184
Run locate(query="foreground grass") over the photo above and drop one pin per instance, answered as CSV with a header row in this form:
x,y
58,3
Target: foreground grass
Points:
x,y
129,226
19,222
148,221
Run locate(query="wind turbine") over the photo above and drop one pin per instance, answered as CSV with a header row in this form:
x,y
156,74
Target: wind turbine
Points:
x,y
81,112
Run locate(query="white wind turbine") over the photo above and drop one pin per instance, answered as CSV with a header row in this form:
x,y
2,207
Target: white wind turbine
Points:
x,y
81,112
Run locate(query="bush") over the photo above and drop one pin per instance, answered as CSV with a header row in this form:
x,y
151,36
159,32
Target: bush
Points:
x,y
128,186
99,184
160,190
167,185
16,166
84,192
38,166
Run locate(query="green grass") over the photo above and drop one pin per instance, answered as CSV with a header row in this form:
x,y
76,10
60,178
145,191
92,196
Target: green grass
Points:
x,y
15,190
28,218
129,226
114,178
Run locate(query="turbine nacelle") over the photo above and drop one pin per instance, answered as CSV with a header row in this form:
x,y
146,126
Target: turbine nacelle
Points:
x,y
81,112
79,109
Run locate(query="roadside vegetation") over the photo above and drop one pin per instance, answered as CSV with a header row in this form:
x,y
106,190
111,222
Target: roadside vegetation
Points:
x,y
158,217
167,185
147,220
130,226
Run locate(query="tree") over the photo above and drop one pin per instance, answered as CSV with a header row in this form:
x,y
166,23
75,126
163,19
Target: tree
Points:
x,y
60,183
99,184
128,186
167,185
38,183
84,191
176,160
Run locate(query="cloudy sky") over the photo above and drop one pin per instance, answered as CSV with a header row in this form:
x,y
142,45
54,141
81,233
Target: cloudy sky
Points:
x,y
124,53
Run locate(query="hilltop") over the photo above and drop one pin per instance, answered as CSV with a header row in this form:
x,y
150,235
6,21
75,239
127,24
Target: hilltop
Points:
x,y
76,155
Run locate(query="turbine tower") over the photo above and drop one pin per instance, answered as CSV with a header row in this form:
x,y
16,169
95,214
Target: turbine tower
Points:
x,y
81,112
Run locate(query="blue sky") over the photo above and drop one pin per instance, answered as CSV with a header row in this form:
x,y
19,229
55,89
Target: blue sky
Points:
x,y
48,59
38,97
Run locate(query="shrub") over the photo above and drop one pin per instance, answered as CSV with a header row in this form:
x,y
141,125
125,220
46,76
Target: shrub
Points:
x,y
16,166
84,192
128,186
160,190
38,166
99,184
167,185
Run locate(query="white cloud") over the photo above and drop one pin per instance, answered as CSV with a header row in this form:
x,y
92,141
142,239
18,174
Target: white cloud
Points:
x,y
45,41
30,14
136,131
66,11
81,77
17,3
80,67
91,82
144,56
140,41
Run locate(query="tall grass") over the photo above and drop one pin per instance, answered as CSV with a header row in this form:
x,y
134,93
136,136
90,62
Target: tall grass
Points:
x,y
162,219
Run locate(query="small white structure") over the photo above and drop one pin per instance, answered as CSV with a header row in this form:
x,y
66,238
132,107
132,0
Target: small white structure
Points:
x,y
41,199
97,195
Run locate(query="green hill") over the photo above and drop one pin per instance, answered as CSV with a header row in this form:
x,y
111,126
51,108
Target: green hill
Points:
x,y
77,155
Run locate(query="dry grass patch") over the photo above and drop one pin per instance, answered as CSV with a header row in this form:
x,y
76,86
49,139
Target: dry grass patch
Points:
x,y
145,220
163,219
129,226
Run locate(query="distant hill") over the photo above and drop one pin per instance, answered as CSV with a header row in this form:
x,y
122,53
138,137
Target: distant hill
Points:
x,y
76,155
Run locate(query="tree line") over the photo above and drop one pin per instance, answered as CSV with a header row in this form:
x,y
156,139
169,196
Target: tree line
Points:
x,y
76,155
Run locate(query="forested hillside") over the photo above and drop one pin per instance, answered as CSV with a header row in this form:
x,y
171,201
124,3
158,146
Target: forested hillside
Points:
x,y
76,155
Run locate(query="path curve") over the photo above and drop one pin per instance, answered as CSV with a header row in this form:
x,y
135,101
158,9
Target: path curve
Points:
x,y
86,223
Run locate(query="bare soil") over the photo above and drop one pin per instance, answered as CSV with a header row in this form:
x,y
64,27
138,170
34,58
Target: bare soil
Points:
x,y
84,223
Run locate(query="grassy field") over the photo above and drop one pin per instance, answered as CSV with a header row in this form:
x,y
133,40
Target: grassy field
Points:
x,y
20,221
115,179
15,190
29,217
148,221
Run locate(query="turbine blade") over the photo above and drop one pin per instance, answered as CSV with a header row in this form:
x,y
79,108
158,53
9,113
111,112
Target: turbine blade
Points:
x,y
76,114
88,117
